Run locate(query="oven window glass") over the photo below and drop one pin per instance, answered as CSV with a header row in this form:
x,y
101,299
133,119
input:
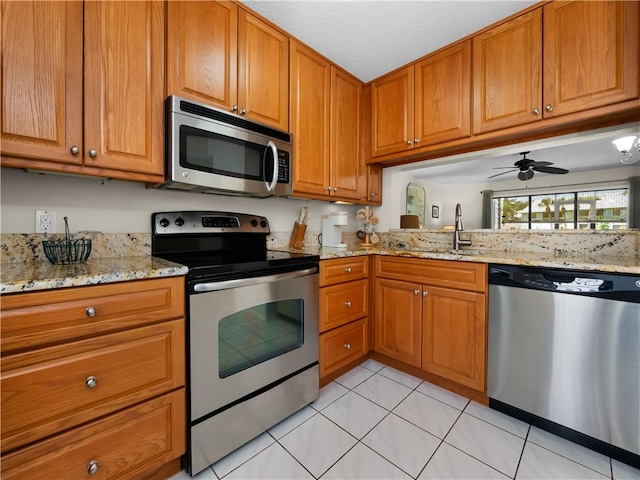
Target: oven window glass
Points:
x,y
259,333
214,153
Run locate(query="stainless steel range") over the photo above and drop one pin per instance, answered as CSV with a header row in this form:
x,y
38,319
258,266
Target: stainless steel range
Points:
x,y
252,328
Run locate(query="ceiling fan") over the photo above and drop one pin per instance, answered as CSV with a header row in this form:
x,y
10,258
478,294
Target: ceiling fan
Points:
x,y
527,167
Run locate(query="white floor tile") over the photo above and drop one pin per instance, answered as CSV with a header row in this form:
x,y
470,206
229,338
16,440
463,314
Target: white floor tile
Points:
x,y
573,451
354,377
401,377
622,471
355,414
372,365
236,458
540,463
328,394
318,443
499,419
401,442
289,423
488,443
363,463
439,393
274,463
427,413
383,391
450,463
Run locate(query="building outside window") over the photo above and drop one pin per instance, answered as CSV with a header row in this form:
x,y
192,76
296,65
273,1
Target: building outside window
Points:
x,y
593,209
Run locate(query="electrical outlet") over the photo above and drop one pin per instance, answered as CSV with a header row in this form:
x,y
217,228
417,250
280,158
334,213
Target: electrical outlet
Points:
x,y
45,221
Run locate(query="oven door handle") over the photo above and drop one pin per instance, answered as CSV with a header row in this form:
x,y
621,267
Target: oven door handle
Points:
x,y
245,282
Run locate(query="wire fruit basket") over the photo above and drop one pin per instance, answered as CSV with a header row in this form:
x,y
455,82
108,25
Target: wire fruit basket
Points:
x,y
67,251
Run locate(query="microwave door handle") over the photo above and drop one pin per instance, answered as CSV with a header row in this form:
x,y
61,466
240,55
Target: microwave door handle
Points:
x,y
274,180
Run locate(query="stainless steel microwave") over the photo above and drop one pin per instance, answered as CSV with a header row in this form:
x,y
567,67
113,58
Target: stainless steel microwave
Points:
x,y
209,150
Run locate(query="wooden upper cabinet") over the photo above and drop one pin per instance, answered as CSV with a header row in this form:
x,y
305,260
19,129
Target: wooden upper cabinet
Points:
x,y
443,96
374,184
124,88
590,55
220,54
392,120
202,51
507,74
348,178
42,80
310,120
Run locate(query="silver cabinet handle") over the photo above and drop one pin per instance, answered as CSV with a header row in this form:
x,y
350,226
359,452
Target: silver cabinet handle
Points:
x,y
234,108
335,189
92,467
74,150
243,111
91,381
93,153
372,194
347,269
416,140
347,303
548,108
91,311
347,346
409,142
329,188
424,294
416,292
536,111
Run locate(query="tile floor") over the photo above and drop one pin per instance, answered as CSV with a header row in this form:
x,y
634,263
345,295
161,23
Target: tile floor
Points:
x,y
376,422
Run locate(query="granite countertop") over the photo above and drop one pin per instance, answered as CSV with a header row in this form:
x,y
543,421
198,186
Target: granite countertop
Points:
x,y
27,277
603,263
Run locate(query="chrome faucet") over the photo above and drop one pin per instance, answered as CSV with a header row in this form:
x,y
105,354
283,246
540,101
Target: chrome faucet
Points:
x,y
459,227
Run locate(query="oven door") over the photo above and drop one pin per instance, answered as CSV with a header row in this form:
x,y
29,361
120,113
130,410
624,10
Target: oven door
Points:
x,y
248,334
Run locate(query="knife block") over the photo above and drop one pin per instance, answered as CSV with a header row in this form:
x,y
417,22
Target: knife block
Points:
x,y
297,235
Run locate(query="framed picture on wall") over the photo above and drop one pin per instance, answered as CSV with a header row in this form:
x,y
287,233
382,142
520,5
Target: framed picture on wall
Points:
x,y
435,211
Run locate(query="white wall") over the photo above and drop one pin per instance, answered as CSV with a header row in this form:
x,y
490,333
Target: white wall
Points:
x,y
126,207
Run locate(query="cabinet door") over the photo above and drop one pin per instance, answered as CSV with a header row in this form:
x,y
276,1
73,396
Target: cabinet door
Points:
x,y
443,96
202,51
507,74
348,179
42,80
392,113
263,71
124,86
454,335
310,120
374,184
590,55
398,325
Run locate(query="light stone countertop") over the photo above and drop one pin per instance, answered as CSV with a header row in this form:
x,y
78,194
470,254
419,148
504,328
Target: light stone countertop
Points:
x,y
33,276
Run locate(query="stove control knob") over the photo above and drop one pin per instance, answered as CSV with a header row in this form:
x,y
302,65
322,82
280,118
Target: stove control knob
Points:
x,y
254,223
263,223
164,222
179,221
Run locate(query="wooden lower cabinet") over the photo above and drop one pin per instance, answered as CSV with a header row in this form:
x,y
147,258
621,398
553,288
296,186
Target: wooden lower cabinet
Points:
x,y
441,330
92,381
344,300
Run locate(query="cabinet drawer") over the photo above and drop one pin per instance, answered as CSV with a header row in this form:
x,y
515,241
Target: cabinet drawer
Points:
x,y
129,444
341,270
39,318
342,346
442,273
48,390
340,304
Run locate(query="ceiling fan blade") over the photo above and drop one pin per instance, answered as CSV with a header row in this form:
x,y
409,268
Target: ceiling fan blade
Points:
x,y
525,175
502,173
541,164
551,170
500,168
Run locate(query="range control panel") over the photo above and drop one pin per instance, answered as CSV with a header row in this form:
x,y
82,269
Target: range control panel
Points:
x,y
203,222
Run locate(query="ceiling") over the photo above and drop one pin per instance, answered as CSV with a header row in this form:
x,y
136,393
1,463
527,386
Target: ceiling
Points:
x,y
369,38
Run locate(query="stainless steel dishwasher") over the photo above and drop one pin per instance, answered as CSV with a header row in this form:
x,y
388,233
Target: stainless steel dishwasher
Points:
x,y
564,354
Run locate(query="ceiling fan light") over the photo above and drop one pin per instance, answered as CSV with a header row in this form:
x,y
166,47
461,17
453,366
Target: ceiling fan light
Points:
x,y
624,144
526,175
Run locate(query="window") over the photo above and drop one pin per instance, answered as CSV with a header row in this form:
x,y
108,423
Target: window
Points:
x,y
594,209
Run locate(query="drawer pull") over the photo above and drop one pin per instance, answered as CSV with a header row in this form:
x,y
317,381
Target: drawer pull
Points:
x,y
91,311
92,467
91,381
416,292
347,346
347,303
348,269
425,293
